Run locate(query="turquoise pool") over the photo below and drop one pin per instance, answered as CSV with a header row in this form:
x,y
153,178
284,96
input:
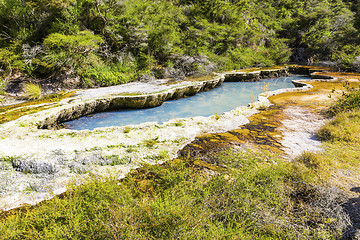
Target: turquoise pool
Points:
x,y
222,99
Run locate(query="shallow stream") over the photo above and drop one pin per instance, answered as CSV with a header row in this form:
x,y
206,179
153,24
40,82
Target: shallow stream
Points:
x,y
222,99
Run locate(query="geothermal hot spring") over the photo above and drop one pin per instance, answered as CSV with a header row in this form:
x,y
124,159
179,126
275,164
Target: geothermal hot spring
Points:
x,y
222,99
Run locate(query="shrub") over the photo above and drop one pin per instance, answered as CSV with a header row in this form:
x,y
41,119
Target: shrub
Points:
x,y
103,75
348,101
346,57
10,59
71,52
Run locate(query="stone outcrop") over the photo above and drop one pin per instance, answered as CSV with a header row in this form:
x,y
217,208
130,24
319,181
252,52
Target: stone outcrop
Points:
x,y
33,166
239,76
242,76
300,84
317,75
299,70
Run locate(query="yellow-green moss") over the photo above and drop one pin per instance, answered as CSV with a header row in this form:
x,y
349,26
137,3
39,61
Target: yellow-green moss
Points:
x,y
322,95
13,112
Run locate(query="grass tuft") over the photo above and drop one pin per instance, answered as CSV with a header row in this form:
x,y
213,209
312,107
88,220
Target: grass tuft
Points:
x,y
127,129
344,127
32,91
310,160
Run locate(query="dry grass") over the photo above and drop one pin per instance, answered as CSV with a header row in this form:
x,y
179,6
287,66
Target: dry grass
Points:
x,y
32,91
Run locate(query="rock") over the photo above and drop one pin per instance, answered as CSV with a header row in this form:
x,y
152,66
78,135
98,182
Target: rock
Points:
x,y
34,166
92,158
299,84
299,70
356,63
317,75
243,77
274,73
255,75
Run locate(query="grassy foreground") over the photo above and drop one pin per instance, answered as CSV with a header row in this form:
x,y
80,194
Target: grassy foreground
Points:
x,y
247,195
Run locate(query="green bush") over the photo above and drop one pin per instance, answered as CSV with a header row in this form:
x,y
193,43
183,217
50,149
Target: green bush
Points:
x,y
345,56
39,68
72,52
350,100
109,75
10,59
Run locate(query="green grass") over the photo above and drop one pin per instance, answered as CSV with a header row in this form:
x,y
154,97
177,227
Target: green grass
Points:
x,y
3,84
254,197
127,129
344,127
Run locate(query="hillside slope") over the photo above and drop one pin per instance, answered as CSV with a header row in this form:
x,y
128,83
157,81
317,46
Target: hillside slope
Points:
x,y
109,42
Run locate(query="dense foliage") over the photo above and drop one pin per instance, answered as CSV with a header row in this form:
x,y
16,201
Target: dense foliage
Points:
x,y
107,42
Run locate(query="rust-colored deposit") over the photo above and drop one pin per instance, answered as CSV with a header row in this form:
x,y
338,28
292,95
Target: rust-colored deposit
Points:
x,y
320,96
261,133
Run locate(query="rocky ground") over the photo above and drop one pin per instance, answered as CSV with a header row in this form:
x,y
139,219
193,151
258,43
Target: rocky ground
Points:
x,y
299,129
37,163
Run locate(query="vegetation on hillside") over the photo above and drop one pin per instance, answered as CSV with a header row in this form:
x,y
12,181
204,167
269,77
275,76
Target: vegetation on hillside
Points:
x,y
107,42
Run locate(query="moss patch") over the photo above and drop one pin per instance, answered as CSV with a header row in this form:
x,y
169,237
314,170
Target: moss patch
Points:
x,y
261,133
13,112
322,95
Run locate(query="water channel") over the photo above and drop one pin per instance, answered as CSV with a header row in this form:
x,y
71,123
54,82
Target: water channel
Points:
x,y
222,99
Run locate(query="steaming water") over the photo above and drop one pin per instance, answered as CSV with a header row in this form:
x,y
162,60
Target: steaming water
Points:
x,y
222,99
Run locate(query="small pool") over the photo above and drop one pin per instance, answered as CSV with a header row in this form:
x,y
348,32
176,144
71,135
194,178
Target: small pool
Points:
x,y
222,99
